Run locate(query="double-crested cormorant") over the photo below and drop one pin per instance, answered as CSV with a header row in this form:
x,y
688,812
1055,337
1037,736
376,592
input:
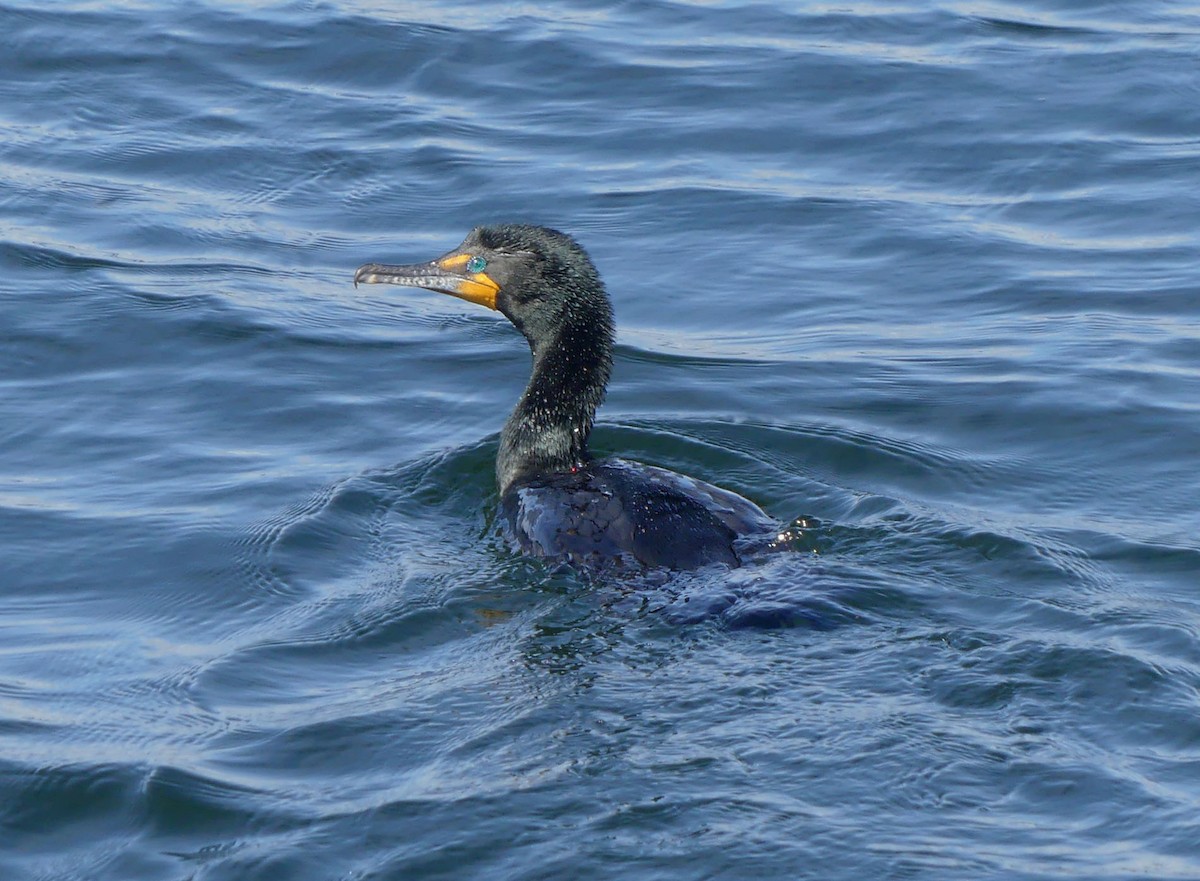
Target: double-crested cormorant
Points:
x,y
556,500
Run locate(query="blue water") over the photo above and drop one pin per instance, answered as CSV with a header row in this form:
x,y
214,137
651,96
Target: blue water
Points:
x,y
926,273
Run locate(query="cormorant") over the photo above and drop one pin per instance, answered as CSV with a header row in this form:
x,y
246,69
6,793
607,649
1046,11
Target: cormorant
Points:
x,y
555,499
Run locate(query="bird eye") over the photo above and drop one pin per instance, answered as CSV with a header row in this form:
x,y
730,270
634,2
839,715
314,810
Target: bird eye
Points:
x,y
476,264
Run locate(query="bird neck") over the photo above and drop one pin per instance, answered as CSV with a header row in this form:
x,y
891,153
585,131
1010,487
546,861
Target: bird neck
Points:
x,y
548,430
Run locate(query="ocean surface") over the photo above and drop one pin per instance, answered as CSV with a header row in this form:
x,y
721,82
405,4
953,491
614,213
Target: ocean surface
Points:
x,y
927,274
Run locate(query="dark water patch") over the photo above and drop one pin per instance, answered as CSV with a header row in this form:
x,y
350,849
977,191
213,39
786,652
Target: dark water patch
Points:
x,y
72,801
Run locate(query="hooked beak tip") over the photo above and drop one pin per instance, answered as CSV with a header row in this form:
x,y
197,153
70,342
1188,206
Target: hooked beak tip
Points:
x,y
364,273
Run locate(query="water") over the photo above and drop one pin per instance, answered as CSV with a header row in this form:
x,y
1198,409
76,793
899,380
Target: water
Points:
x,y
925,273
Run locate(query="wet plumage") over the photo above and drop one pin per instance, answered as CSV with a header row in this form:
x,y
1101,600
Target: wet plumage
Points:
x,y
555,499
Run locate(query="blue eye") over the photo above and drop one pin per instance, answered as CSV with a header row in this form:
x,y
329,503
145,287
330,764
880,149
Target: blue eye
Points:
x,y
476,264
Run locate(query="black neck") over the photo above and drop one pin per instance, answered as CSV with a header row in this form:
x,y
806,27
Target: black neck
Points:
x,y
548,430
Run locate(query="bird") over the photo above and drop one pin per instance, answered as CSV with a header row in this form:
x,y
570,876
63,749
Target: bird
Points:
x,y
557,501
